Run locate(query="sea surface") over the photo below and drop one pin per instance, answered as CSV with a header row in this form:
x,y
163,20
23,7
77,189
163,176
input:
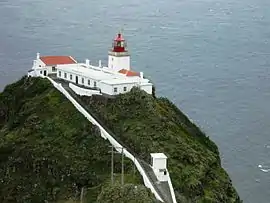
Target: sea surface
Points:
x,y
210,57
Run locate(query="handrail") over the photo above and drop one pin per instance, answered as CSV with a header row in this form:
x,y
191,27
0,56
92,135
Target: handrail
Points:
x,y
106,135
141,161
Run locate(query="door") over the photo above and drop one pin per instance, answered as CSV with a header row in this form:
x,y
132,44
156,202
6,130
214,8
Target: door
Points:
x,y
45,73
77,79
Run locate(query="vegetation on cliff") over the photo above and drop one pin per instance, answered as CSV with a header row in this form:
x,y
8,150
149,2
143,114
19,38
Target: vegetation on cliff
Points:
x,y
48,150
127,194
148,124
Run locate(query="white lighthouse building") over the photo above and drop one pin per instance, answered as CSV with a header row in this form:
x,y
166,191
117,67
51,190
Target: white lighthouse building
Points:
x,y
119,57
117,78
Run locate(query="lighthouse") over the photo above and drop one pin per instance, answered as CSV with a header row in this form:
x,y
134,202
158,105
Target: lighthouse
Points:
x,y
119,57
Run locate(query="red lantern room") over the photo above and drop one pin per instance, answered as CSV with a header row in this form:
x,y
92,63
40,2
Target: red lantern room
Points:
x,y
119,44
118,56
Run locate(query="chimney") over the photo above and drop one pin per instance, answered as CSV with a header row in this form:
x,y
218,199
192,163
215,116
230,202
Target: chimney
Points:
x,y
141,75
99,63
38,55
87,62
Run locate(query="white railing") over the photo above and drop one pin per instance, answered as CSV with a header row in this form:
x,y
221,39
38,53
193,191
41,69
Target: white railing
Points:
x,y
106,135
171,188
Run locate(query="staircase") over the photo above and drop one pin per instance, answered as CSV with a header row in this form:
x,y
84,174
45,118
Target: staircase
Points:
x,y
162,188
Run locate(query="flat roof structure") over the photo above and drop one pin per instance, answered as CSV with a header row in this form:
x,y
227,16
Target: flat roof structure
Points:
x,y
158,155
81,69
124,81
103,75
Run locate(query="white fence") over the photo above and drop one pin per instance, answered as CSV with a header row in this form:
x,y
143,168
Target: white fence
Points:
x,y
82,91
106,135
171,188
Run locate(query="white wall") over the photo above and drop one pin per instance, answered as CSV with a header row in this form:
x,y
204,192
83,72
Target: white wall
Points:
x,y
106,135
38,64
50,69
147,88
159,166
120,88
105,88
82,91
171,188
40,68
80,82
160,174
37,72
119,62
32,73
109,89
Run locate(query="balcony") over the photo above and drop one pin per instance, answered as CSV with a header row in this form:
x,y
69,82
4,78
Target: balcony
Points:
x,y
119,53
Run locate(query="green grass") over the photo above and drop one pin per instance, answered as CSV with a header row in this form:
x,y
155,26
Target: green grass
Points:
x,y
127,193
49,151
148,124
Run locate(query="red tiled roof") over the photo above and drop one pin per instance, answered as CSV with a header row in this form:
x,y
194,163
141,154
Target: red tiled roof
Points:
x,y
55,60
129,73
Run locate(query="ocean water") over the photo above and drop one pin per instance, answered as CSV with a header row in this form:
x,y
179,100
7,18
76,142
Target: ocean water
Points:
x,y
210,57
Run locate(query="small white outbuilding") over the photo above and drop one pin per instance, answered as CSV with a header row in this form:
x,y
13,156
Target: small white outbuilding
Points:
x,y
159,166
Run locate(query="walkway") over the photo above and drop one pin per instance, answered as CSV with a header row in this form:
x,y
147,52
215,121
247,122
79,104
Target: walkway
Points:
x,y
162,188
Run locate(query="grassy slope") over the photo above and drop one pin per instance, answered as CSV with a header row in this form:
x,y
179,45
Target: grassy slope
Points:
x,y
127,194
48,150
149,124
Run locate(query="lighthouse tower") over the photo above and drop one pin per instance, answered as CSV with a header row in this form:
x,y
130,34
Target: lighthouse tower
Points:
x,y
119,57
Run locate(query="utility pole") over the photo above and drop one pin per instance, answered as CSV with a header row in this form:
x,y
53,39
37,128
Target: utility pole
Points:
x,y
122,177
82,194
112,166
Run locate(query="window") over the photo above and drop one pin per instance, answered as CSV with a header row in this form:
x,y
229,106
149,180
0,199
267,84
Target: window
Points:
x,y
125,89
40,72
115,89
82,80
70,77
53,69
88,82
59,73
65,75
95,84
39,65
